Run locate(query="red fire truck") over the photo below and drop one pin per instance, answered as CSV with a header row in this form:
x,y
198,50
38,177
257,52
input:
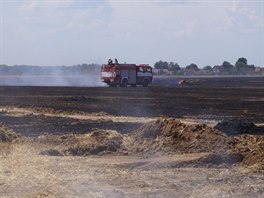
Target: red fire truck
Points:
x,y
123,75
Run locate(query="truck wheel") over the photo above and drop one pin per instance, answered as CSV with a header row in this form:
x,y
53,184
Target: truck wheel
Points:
x,y
124,83
145,83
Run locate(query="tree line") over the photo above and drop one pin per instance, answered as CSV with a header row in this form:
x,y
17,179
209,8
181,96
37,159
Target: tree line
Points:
x,y
240,67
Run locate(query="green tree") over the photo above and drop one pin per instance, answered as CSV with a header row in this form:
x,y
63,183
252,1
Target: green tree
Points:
x,y
207,68
161,65
241,62
165,65
158,65
252,66
192,67
174,66
227,65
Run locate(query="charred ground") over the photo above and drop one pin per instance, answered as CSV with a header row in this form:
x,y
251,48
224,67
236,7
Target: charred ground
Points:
x,y
215,98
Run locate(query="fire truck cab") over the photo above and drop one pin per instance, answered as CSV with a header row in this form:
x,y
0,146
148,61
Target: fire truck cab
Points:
x,y
115,74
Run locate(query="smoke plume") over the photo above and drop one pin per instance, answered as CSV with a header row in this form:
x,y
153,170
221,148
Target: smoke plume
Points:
x,y
73,76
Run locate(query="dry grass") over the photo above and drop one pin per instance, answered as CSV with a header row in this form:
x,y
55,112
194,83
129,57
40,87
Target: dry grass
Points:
x,y
25,173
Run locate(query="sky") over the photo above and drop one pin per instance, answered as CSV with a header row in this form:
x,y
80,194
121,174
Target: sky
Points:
x,y
70,32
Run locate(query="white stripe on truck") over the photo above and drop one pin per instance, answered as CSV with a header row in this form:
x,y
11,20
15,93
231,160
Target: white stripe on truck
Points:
x,y
107,74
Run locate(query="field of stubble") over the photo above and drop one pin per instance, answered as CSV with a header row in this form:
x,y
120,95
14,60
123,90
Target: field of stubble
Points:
x,y
201,139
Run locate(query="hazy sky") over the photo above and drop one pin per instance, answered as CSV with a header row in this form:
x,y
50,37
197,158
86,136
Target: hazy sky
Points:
x,y
68,32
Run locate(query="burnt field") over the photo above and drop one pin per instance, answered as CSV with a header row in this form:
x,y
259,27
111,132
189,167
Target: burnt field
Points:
x,y
204,138
209,98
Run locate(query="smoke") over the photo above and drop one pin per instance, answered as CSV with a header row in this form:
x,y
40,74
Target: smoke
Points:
x,y
74,76
87,80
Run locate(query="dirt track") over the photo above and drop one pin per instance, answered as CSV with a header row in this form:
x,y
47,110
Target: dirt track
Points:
x,y
56,123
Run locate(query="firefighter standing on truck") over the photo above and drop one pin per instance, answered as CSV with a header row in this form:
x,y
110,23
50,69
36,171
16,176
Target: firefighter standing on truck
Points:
x,y
110,61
